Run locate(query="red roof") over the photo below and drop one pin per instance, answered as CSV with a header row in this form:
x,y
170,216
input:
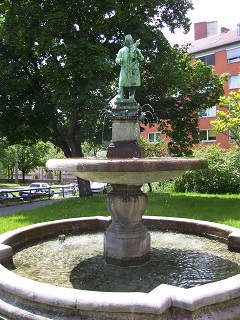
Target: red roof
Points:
x,y
213,41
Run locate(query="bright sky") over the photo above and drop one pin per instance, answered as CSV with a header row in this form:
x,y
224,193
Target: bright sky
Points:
x,y
227,13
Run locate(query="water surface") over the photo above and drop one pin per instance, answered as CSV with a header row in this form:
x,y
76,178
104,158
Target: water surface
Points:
x,y
176,259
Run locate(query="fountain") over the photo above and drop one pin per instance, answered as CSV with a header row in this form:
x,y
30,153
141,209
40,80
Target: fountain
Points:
x,y
127,240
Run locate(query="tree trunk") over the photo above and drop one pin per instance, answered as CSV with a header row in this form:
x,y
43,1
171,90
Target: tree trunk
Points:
x,y
84,188
23,176
150,187
72,149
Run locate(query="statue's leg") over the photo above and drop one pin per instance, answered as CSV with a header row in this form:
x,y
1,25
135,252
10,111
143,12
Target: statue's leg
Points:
x,y
132,91
125,92
120,92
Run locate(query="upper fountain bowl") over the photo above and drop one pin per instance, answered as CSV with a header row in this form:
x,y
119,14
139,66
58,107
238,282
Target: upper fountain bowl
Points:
x,y
132,171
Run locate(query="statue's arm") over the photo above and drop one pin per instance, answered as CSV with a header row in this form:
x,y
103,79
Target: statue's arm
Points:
x,y
119,57
139,55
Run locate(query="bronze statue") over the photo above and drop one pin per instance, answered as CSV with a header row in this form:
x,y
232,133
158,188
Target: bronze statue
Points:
x,y
128,57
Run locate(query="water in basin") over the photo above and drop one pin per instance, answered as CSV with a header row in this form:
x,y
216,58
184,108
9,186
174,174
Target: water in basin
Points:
x,y
176,259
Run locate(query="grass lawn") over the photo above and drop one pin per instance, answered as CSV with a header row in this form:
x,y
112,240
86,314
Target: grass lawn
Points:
x,y
216,208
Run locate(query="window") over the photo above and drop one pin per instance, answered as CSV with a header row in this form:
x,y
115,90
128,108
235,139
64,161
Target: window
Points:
x,y
209,112
208,60
233,55
154,136
207,135
233,82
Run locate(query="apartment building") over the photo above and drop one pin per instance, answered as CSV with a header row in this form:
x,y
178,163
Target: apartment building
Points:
x,y
221,50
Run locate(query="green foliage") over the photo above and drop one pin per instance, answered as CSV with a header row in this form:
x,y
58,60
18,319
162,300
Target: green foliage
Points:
x,y
7,158
53,152
177,90
91,150
228,121
221,177
154,149
28,156
197,87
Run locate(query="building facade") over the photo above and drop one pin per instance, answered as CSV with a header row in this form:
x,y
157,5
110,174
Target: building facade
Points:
x,y
221,50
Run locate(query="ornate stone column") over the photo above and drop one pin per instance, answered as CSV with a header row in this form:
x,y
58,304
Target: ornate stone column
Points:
x,y
126,241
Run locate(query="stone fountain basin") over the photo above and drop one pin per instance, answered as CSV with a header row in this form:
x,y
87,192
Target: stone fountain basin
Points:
x,y
132,171
22,298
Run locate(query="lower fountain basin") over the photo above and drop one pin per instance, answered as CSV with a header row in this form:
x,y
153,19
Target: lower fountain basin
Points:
x,y
132,171
22,298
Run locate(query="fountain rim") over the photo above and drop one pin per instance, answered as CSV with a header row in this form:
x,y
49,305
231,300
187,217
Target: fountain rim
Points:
x,y
128,164
128,171
156,302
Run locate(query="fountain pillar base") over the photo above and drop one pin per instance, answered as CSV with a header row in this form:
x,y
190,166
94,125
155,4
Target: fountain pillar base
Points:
x,y
125,149
126,246
126,241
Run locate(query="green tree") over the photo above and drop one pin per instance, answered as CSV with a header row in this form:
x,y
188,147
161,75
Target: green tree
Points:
x,y
28,156
7,158
228,121
31,156
24,156
196,87
55,153
58,70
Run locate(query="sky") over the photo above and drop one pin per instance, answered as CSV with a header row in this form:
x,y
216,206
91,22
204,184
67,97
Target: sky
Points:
x,y
227,13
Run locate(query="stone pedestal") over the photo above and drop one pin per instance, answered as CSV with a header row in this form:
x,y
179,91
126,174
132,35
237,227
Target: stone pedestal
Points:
x,y
125,130
124,108
125,149
126,241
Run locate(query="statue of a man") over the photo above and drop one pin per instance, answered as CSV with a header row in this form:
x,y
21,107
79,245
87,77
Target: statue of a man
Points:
x,y
128,57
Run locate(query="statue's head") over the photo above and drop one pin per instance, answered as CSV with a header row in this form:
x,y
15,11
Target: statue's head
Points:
x,y
128,40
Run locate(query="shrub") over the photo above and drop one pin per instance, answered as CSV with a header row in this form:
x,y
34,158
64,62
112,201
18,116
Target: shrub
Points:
x,y
221,177
157,148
